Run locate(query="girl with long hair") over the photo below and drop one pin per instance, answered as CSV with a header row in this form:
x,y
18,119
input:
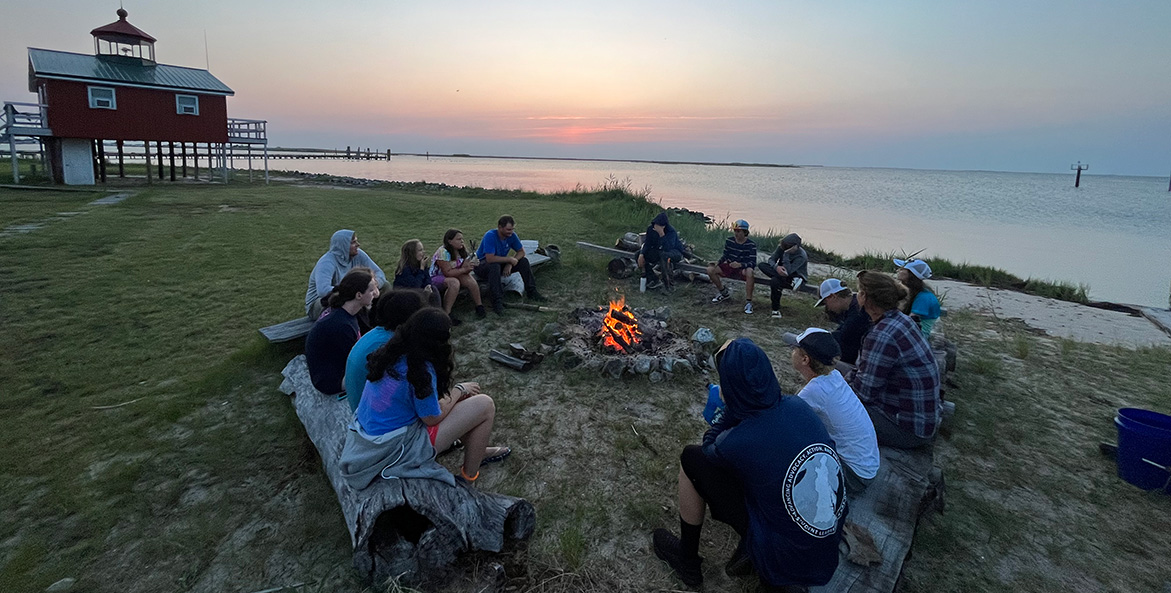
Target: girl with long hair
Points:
x,y
409,380
451,270
331,337
410,273
921,303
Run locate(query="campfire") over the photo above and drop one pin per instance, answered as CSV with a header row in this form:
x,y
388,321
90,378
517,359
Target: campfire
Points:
x,y
620,330
619,340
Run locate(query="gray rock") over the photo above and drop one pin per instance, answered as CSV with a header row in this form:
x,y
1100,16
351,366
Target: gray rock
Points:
x,y
550,333
613,368
642,365
682,366
64,584
656,377
667,364
703,335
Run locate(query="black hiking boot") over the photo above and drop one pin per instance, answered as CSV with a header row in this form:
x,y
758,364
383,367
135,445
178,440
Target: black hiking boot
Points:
x,y
498,308
454,320
535,296
667,548
481,312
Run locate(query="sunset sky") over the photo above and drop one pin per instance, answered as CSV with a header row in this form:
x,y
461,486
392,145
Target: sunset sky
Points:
x,y
1012,86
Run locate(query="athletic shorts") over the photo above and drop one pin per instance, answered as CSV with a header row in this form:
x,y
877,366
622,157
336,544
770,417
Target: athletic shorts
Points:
x,y
431,432
727,271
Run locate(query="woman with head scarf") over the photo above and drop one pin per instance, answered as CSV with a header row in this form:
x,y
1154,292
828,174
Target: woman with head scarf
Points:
x,y
768,469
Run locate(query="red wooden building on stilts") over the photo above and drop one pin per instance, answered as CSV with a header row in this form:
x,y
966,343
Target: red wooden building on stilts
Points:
x,y
94,111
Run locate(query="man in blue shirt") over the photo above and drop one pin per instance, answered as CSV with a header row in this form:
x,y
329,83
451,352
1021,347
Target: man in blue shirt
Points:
x,y
495,262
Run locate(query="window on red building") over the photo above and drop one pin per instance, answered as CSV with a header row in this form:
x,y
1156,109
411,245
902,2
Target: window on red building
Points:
x,y
101,97
187,104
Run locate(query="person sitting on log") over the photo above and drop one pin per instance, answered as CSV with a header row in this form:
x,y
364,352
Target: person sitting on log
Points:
x,y
391,310
921,303
767,468
787,267
826,391
841,306
660,247
411,273
331,338
897,378
451,270
345,253
496,263
409,388
738,263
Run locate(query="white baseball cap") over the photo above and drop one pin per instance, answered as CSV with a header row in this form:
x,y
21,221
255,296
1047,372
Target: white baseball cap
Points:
x,y
831,286
917,267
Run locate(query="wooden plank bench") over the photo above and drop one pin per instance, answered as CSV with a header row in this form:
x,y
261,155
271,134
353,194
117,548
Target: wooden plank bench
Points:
x,y
299,327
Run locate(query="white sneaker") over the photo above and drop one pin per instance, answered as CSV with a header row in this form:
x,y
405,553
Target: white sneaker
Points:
x,y
724,294
776,315
748,308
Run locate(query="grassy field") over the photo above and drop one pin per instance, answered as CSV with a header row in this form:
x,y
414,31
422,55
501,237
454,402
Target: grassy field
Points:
x,y
201,478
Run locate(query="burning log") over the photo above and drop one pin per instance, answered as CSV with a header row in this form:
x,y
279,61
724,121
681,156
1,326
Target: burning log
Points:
x,y
622,344
624,317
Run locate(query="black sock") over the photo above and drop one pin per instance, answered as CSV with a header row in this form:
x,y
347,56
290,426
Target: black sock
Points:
x,y
689,538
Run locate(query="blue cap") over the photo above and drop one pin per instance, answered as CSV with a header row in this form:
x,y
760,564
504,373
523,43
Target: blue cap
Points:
x,y
740,225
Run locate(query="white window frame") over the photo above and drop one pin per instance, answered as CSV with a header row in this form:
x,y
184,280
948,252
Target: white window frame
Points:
x,y
179,104
95,102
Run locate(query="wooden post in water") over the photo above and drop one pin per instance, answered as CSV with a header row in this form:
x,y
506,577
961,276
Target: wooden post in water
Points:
x,y
1079,167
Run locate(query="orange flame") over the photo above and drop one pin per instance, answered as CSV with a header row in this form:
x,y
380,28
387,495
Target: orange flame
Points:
x,y
616,330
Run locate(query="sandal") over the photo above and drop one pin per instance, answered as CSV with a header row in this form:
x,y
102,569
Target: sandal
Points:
x,y
501,455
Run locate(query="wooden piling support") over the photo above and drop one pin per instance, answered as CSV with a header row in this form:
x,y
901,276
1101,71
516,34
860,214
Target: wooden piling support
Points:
x,y
102,159
183,145
159,151
171,145
146,155
121,157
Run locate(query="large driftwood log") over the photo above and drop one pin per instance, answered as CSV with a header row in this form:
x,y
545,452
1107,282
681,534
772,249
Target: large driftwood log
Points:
x,y
889,511
412,529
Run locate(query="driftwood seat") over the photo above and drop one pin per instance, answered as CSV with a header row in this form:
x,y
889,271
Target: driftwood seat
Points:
x,y
411,529
906,486
299,327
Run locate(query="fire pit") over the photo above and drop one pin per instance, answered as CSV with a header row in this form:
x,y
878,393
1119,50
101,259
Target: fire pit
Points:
x,y
619,340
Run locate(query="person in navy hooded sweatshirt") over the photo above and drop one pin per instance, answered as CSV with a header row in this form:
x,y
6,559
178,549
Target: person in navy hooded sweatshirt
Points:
x,y
768,469
660,247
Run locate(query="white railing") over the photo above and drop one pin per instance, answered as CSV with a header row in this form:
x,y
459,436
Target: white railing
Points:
x,y
249,131
15,117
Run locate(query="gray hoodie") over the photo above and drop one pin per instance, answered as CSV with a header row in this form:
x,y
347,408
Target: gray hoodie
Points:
x,y
795,263
333,266
402,453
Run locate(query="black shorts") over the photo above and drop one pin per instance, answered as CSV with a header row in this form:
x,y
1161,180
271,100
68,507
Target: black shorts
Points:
x,y
718,487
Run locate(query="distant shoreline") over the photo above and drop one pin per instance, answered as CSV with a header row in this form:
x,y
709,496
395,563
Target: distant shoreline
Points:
x,y
553,158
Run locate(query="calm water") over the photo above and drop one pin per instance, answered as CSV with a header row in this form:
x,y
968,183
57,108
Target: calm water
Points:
x,y
1113,233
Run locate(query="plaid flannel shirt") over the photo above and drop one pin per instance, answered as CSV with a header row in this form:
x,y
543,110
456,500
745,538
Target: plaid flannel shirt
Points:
x,y
897,374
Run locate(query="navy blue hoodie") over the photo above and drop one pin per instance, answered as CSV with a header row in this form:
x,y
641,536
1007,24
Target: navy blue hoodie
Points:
x,y
668,242
785,460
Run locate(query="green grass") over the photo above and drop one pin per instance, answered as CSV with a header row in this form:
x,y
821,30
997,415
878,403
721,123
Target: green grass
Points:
x,y
207,480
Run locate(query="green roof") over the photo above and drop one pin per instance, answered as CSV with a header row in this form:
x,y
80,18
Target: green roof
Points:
x,y
88,68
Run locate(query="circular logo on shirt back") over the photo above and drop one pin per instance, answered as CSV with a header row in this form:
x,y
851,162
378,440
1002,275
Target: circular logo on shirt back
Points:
x,y
814,490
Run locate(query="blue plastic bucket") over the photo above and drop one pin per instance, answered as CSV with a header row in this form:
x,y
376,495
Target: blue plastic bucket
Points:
x,y
1143,434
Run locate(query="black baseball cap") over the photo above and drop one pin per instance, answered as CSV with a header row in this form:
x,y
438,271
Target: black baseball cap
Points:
x,y
818,343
